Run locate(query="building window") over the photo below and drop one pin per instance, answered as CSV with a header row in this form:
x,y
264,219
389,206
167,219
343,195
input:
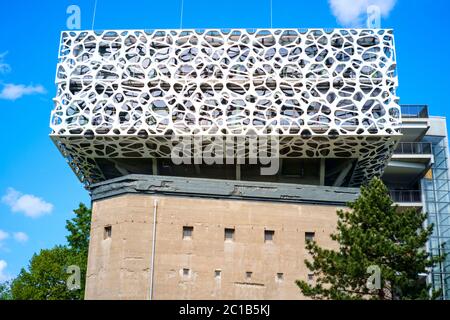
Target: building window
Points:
x,y
248,275
217,274
309,236
107,232
280,277
268,235
229,234
186,272
187,232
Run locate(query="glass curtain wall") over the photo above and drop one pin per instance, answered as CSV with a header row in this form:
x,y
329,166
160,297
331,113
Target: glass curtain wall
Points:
x,y
436,191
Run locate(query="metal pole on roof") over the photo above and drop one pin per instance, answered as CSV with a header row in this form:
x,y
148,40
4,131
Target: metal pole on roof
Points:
x,y
93,16
181,14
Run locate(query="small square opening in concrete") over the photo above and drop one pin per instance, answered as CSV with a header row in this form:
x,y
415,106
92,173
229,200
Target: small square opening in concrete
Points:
x,y
186,272
187,232
269,235
229,234
248,274
217,274
107,232
310,276
309,236
280,276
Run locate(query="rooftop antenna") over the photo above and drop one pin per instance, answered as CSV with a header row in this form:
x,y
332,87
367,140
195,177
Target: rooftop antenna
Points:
x,y
181,15
93,16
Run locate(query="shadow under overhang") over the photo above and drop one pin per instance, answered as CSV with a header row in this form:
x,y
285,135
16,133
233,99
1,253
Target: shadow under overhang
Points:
x,y
406,171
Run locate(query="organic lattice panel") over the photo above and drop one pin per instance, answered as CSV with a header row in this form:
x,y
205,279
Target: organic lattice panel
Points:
x,y
287,83
80,152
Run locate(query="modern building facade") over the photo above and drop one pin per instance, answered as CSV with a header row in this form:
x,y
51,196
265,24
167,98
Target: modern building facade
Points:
x,y
418,176
212,155
435,191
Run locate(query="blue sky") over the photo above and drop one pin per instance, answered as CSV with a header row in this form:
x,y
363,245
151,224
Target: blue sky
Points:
x,y
37,187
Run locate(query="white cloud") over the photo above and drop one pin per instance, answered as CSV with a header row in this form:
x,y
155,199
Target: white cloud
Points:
x,y
4,67
3,275
28,204
20,236
3,235
13,92
351,12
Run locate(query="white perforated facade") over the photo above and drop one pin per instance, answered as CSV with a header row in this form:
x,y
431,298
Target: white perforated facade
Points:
x,y
324,93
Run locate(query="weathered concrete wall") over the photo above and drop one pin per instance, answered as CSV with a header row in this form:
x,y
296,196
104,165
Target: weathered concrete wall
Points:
x,y
223,189
119,267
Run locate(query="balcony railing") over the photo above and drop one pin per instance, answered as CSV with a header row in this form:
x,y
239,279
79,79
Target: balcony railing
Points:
x,y
405,196
414,111
413,148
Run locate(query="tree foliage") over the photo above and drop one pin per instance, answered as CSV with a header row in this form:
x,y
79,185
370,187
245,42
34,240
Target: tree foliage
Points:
x,y
373,233
5,290
46,276
79,228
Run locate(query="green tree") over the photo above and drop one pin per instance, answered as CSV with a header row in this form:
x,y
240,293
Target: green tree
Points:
x,y
46,277
5,290
79,229
375,234
79,234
